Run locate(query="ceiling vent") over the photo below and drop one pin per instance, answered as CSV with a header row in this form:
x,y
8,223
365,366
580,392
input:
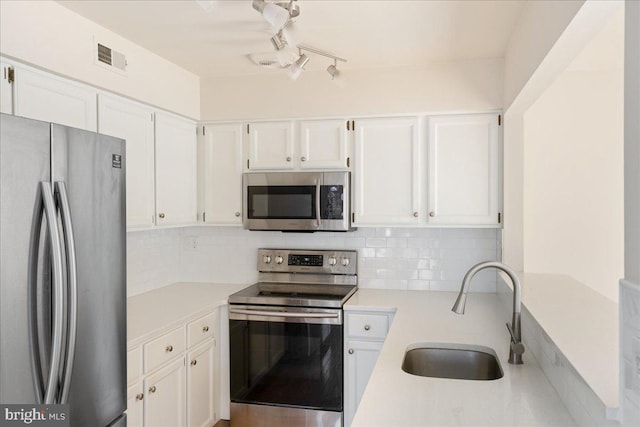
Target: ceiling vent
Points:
x,y
110,58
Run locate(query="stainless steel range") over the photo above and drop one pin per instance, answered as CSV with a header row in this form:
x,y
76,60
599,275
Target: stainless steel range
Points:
x,y
286,339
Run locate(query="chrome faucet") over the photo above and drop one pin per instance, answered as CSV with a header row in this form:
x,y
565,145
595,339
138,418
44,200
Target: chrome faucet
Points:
x,y
516,348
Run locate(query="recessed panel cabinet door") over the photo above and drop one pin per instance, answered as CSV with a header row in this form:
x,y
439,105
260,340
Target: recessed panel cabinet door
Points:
x,y
6,88
135,405
360,359
46,97
201,390
271,145
464,169
223,174
386,171
323,144
176,170
134,123
165,397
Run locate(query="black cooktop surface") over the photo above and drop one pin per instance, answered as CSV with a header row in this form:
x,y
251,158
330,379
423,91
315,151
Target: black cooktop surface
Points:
x,y
294,294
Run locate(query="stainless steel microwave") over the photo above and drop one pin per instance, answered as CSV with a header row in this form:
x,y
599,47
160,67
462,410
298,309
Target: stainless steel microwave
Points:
x,y
297,201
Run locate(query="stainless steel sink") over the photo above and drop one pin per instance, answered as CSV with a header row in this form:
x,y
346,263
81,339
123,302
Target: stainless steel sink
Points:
x,y
457,361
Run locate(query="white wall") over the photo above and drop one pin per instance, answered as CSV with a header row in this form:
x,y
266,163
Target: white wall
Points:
x,y
389,258
446,87
573,180
47,35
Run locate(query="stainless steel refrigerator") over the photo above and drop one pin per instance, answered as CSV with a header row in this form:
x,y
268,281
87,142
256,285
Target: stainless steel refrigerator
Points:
x,y
62,270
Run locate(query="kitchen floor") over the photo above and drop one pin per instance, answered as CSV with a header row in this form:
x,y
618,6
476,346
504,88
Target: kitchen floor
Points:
x,y
222,423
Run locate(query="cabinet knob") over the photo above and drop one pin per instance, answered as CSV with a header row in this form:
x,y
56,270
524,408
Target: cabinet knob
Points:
x,y
169,349
350,351
205,329
237,213
367,327
288,159
432,214
152,389
139,396
415,214
194,362
303,159
161,215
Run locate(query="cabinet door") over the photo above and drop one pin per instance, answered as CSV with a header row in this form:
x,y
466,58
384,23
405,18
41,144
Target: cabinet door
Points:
x,y
6,88
176,173
201,390
323,144
360,359
43,96
464,169
270,145
135,405
222,174
134,123
386,177
165,396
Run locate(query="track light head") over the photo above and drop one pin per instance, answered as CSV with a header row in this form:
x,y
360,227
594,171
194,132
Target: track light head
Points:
x,y
274,14
333,71
298,66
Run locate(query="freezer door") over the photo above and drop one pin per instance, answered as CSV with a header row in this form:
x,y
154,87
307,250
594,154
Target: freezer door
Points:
x,y
24,164
92,167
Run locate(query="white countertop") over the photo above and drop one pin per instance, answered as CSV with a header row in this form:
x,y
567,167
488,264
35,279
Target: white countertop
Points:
x,y
154,312
394,398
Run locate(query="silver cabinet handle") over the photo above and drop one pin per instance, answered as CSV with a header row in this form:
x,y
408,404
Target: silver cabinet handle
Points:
x,y
303,159
205,329
432,214
415,214
350,351
367,327
72,292
152,389
169,349
237,213
194,362
139,396
288,159
161,215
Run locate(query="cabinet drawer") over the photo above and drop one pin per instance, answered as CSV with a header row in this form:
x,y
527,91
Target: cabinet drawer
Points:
x,y
367,325
134,364
201,329
163,349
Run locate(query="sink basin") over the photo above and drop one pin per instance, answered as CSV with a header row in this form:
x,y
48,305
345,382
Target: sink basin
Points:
x,y
456,361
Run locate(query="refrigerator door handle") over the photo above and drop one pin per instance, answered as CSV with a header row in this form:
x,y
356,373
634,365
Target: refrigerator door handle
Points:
x,y
51,390
72,290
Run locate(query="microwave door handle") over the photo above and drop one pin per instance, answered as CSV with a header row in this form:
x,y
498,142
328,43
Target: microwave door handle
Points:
x,y
318,203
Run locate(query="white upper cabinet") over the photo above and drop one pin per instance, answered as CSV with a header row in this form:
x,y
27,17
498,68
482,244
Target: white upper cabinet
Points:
x,y
323,144
134,123
464,157
176,170
43,96
386,171
6,88
270,145
222,178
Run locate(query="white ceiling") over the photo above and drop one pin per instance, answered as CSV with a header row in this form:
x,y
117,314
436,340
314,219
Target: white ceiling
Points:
x,y
367,33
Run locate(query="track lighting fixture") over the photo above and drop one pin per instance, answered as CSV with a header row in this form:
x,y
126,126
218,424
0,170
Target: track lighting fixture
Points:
x,y
297,67
274,14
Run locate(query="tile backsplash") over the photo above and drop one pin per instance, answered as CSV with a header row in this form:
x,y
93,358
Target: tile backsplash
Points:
x,y
389,258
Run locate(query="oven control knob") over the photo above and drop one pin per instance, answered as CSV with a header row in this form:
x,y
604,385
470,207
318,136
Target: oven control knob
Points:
x,y
279,260
345,261
266,259
333,260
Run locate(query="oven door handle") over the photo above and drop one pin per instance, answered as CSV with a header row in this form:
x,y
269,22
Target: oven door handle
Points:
x,y
285,314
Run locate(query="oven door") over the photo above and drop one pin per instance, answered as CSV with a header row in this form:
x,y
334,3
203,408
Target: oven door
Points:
x,y
286,356
282,201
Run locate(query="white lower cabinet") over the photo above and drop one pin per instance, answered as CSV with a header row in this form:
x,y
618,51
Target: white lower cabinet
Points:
x,y
201,390
364,336
166,396
178,385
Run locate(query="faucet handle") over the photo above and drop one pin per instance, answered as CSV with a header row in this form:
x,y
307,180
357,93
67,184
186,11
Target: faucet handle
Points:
x,y
517,348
